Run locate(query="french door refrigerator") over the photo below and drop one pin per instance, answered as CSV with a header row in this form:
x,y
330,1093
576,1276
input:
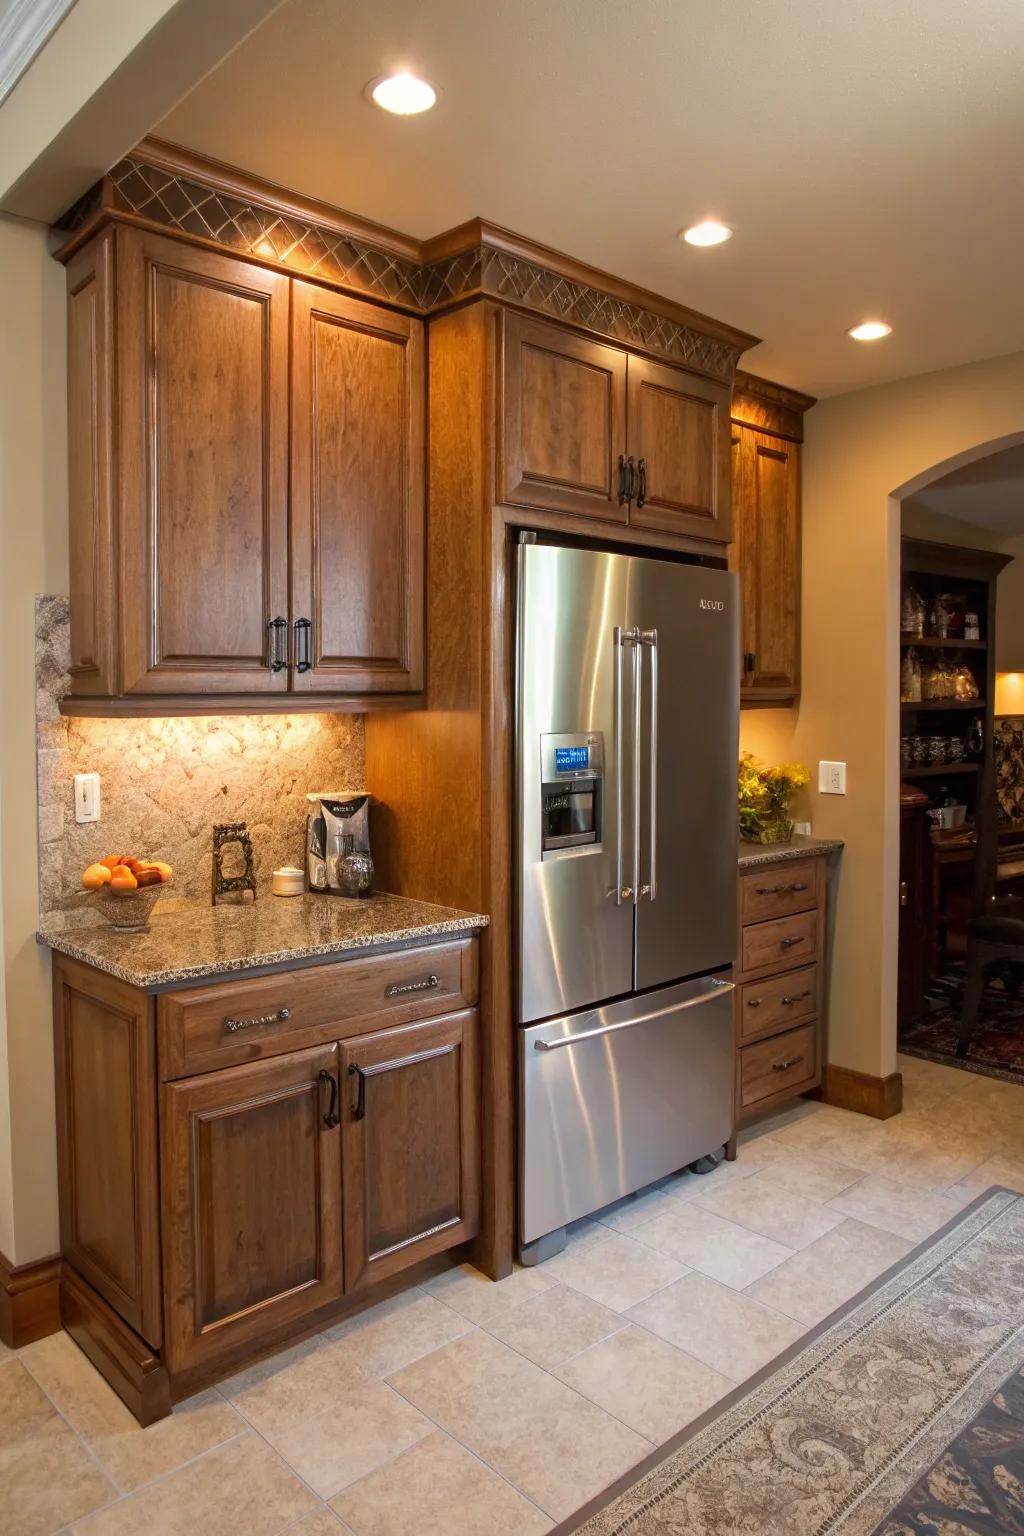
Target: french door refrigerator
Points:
x,y
627,690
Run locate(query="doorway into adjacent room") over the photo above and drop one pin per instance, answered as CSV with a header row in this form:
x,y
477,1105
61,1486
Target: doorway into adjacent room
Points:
x,y
961,763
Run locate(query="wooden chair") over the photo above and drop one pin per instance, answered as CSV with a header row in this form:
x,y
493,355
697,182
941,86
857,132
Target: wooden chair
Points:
x,y
996,931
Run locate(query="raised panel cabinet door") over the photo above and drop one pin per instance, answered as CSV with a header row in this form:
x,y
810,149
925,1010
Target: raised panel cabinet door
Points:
x,y
358,525
678,436
105,1054
766,554
411,1144
203,399
563,420
251,1200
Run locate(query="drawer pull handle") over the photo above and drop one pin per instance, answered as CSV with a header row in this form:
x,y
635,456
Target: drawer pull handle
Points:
x,y
796,997
234,1025
753,1002
333,1115
784,1066
782,890
794,939
401,988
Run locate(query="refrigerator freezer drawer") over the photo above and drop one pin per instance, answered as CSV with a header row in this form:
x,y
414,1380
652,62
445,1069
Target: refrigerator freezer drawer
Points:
x,y
615,1097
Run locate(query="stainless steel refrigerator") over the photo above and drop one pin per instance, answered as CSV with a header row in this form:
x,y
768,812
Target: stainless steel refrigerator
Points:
x,y
627,693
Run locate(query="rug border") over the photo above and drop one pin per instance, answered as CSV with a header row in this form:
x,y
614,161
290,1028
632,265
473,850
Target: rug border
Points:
x,y
960,1063
640,1470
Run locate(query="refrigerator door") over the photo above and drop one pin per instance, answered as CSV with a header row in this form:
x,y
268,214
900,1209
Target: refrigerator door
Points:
x,y
576,811
615,1097
688,623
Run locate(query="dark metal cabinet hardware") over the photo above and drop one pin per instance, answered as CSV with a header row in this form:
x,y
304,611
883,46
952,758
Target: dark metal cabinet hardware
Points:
x,y
278,643
400,988
303,645
749,663
232,1026
333,1115
794,939
782,890
623,482
796,997
784,1066
641,490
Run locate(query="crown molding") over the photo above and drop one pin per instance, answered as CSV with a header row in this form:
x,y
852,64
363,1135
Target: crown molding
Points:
x,y
25,27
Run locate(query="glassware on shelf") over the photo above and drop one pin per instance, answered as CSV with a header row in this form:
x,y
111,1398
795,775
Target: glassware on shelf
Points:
x,y
964,686
910,678
938,619
937,681
972,625
912,613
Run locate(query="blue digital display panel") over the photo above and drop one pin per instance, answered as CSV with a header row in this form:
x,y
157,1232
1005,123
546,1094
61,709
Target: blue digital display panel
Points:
x,y
571,759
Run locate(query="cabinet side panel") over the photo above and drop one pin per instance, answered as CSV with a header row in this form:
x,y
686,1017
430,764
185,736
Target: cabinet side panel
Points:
x,y
106,1099
90,461
424,767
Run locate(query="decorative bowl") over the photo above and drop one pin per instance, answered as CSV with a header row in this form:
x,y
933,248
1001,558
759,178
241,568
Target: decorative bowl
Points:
x,y
127,911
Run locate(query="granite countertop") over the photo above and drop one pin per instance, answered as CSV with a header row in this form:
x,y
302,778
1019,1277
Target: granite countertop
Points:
x,y
752,855
188,941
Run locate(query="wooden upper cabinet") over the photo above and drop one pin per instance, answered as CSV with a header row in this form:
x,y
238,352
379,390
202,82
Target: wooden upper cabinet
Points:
x,y
563,420
251,1202
357,495
766,553
203,406
411,1144
678,438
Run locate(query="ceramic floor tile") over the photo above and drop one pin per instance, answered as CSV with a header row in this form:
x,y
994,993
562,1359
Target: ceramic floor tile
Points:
x,y
274,1365
814,1177
242,1486
719,1248
897,1208
553,1445
482,1300
1005,1171
385,1343
436,1487
645,1382
363,1428
632,1212
822,1277
389,1307
130,1454
47,1477
323,1523
728,1331
759,1204
617,1272
550,1328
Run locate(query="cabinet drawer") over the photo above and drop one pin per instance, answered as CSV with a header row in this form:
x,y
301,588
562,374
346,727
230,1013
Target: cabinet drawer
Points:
x,y
782,944
786,1062
230,1022
777,1002
779,889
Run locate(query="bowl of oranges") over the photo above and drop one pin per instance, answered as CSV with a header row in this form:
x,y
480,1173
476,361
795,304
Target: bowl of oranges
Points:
x,y
125,889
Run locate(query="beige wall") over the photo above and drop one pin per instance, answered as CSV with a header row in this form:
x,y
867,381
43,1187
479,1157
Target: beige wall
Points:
x,y
33,558
861,449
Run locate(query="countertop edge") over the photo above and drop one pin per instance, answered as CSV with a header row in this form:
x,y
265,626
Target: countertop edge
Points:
x,y
65,943
757,855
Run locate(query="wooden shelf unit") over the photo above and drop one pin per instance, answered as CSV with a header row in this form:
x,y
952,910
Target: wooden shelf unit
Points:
x,y
978,705
934,643
935,770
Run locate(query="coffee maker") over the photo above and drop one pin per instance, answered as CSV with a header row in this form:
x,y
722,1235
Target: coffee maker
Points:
x,y
338,858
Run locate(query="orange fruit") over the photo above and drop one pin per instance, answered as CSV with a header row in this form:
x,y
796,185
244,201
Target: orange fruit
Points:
x,y
113,860
165,870
95,876
149,877
123,880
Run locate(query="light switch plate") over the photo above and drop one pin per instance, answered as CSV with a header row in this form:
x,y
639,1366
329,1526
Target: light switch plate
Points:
x,y
87,797
832,778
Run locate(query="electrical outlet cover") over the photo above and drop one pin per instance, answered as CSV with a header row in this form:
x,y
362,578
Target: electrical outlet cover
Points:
x,y
832,778
87,797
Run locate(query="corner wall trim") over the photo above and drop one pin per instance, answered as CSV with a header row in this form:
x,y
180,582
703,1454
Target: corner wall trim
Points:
x,y
29,1300
881,1097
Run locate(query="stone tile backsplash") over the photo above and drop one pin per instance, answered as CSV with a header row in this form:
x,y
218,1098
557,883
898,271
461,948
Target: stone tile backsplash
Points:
x,y
164,782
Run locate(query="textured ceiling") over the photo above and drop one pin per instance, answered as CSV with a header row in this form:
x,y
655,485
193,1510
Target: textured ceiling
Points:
x,y
868,154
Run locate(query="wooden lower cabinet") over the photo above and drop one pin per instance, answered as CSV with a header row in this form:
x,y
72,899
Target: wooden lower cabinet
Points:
x,y
280,1185
251,1178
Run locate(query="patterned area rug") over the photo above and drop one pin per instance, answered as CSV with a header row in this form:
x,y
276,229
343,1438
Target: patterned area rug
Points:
x,y
997,1049
902,1415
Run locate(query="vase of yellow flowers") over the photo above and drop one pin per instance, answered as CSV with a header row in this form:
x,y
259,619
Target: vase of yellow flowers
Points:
x,y
764,796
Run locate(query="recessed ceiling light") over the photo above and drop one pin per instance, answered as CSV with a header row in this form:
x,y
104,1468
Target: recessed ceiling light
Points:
x,y
403,94
870,330
707,232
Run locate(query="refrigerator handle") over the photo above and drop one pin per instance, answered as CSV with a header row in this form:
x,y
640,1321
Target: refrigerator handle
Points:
x,y
622,638
648,638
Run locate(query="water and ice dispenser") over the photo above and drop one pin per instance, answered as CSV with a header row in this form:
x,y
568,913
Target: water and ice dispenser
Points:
x,y
572,777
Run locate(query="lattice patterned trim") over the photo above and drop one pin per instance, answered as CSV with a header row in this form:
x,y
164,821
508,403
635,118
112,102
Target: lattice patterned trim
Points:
x,y
254,229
